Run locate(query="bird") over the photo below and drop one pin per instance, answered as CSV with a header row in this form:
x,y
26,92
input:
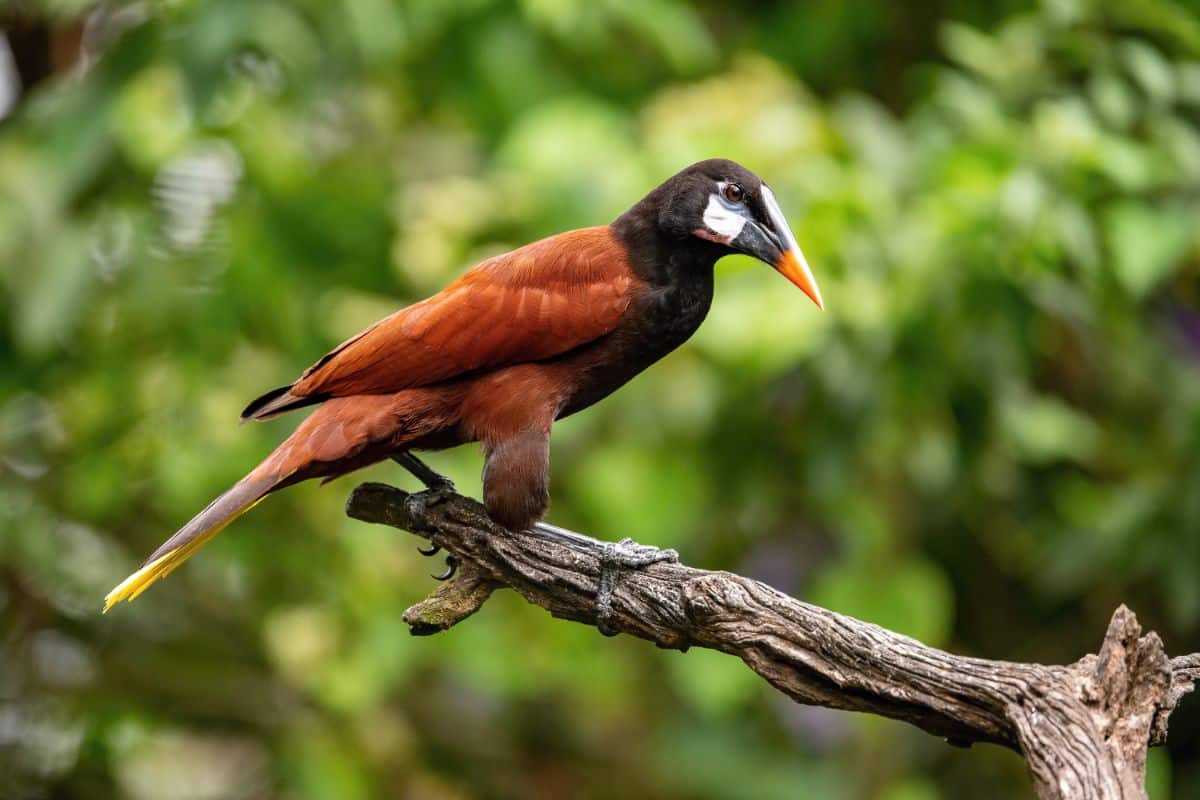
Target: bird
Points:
x,y
521,340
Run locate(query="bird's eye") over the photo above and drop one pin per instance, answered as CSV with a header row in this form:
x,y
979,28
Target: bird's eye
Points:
x,y
734,193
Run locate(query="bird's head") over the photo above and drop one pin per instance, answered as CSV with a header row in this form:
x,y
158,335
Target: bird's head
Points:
x,y
723,202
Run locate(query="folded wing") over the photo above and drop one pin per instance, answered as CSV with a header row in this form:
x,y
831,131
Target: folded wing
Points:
x,y
534,303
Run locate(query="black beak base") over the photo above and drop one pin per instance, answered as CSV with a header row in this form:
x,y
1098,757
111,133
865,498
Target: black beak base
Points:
x,y
755,240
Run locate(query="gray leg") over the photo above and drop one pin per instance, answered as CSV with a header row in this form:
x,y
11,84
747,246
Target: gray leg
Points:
x,y
625,554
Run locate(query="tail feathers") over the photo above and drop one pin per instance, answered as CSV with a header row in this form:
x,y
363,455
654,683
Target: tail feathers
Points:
x,y
276,402
208,523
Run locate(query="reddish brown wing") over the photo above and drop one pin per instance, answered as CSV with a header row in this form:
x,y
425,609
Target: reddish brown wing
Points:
x,y
538,301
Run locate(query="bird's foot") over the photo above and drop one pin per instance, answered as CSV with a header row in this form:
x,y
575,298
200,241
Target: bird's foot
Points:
x,y
440,486
618,556
433,480
451,562
451,568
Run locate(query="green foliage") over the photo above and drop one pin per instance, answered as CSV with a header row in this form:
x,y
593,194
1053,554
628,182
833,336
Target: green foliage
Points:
x,y
988,441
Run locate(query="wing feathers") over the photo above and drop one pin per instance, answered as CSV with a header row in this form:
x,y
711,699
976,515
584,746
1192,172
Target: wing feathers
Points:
x,y
528,305
276,402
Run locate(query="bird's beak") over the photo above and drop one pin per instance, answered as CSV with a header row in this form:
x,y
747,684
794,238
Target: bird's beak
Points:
x,y
792,266
776,245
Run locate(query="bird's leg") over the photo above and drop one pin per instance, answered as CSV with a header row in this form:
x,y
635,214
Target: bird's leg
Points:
x,y
625,554
616,556
434,482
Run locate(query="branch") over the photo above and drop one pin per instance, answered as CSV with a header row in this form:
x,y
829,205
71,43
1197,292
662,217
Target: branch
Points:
x,y
1083,728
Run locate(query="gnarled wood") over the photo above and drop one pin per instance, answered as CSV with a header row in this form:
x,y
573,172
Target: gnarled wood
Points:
x,y
1083,728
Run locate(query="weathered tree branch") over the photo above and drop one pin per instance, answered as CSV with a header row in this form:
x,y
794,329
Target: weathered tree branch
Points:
x,y
1083,728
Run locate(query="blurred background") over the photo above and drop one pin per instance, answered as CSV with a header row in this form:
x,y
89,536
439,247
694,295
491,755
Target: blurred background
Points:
x,y
989,440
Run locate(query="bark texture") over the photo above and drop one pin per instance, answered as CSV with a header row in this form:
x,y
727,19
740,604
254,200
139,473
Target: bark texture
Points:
x,y
1083,728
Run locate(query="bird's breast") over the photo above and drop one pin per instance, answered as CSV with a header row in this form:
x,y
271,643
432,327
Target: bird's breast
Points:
x,y
666,316
659,319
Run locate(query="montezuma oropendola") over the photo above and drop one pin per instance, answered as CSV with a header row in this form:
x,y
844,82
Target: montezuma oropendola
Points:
x,y
520,341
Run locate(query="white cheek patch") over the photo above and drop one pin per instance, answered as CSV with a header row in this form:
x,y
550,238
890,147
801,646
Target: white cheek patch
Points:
x,y
722,220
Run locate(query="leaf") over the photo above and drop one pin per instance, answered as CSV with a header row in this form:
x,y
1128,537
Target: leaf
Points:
x,y
1147,244
1044,429
1150,69
152,118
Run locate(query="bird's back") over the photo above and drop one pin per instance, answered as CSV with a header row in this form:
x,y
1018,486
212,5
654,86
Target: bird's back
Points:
x,y
531,304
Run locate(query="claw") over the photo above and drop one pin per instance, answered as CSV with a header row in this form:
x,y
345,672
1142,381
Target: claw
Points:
x,y
432,550
451,568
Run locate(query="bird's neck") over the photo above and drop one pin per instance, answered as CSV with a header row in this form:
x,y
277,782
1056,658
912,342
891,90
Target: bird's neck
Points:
x,y
663,259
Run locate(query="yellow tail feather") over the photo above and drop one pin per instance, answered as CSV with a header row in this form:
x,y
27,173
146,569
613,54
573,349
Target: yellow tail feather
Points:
x,y
162,566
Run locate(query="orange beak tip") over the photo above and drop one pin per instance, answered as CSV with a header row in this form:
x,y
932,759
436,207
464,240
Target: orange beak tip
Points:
x,y
796,271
